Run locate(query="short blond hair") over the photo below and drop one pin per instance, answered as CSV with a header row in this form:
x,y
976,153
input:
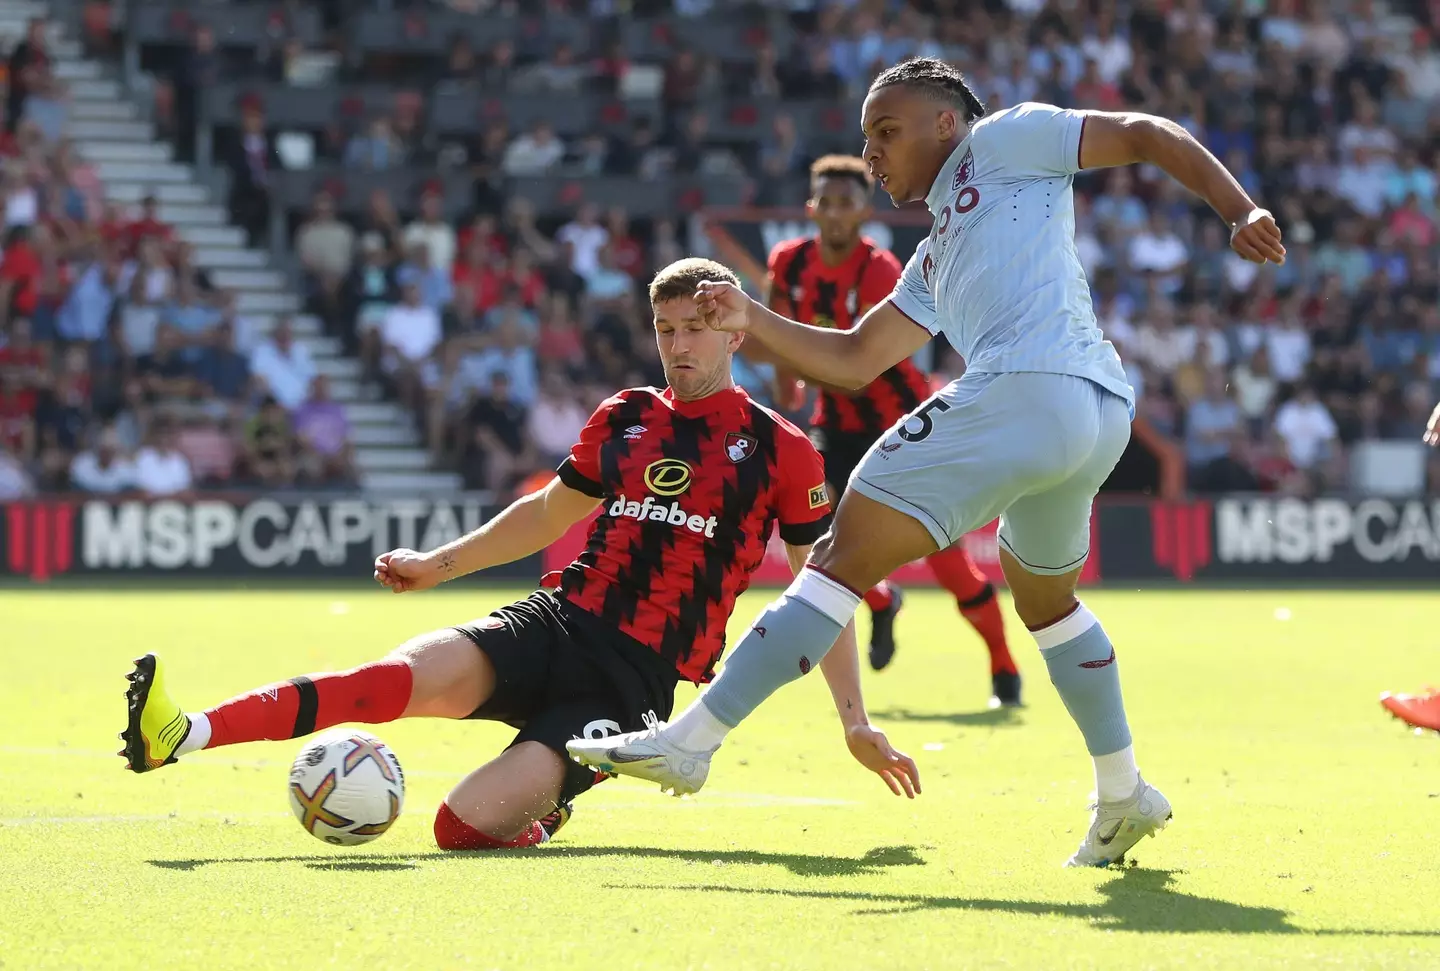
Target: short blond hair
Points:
x,y
680,278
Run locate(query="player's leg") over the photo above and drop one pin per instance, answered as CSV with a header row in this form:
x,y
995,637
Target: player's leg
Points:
x,y
1044,541
585,690
505,802
884,600
975,597
437,675
791,636
560,674
1417,711
842,452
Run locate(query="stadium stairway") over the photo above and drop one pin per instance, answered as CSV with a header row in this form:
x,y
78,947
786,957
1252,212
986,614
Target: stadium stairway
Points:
x,y
108,129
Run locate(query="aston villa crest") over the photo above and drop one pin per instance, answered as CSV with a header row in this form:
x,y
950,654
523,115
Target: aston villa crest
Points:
x,y
965,171
739,447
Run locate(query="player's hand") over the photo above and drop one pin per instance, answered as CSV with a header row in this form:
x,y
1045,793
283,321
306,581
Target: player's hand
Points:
x,y
1257,238
405,571
873,750
1432,428
723,306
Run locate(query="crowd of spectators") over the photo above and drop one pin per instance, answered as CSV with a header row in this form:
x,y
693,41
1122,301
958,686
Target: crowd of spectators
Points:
x,y
1267,376
123,369
1262,377
499,338
498,329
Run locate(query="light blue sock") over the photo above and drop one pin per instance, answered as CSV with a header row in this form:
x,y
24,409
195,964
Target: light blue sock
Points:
x,y
1083,669
786,641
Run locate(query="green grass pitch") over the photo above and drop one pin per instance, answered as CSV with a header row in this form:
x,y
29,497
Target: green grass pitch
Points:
x,y
1306,831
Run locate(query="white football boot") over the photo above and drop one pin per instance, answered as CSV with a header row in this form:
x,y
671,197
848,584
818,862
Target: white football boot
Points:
x,y
649,755
1117,826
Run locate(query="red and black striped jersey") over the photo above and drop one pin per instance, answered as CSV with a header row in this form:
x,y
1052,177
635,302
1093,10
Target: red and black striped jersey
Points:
x,y
804,288
690,491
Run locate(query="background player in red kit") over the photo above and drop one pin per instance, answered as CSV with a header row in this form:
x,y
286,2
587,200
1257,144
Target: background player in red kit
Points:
x,y
831,281
689,482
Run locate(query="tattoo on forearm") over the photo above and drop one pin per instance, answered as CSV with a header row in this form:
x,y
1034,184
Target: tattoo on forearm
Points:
x,y
849,703
447,563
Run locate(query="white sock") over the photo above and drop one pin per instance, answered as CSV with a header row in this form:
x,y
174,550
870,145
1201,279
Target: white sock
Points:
x,y
198,737
696,729
1116,775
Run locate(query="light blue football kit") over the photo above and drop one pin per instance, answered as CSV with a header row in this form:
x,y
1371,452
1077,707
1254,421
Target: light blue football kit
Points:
x,y
1043,412
1029,434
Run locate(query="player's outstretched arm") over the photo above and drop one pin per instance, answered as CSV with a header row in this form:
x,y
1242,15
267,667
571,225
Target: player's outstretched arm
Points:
x,y
1124,138
841,668
526,526
842,358
1432,428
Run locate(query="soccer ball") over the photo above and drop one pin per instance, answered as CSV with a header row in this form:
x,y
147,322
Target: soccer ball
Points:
x,y
346,787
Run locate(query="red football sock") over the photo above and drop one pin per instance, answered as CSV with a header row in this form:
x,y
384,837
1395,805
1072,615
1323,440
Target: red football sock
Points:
x,y
976,598
372,693
453,833
880,596
989,623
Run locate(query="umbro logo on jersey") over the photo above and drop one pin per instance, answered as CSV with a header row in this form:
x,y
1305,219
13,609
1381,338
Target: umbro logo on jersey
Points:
x,y
634,432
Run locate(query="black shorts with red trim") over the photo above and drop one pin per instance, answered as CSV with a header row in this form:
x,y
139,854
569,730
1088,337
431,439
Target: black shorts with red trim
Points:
x,y
563,673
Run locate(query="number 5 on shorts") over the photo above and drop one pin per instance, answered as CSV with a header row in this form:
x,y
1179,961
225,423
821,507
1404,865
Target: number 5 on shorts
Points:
x,y
927,424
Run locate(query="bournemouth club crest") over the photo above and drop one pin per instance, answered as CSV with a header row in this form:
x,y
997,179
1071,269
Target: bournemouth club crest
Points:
x,y
966,170
739,447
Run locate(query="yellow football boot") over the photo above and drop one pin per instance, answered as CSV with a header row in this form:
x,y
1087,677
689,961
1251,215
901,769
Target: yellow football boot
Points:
x,y
156,724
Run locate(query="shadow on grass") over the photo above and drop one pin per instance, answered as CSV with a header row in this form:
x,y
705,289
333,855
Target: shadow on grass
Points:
x,y
992,718
1136,900
801,864
359,866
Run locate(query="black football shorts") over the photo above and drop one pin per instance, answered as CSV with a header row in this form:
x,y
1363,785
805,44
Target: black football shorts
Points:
x,y
563,673
842,452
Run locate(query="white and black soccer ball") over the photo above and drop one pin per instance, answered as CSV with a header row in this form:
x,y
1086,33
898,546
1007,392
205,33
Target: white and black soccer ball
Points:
x,y
346,787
